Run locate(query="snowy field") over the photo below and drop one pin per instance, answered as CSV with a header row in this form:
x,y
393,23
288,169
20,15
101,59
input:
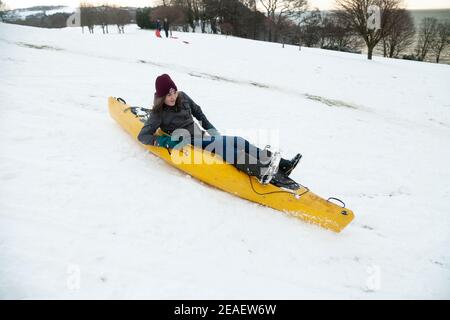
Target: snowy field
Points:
x,y
86,212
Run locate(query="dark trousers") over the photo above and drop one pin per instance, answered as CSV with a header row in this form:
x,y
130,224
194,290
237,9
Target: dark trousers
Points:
x,y
230,148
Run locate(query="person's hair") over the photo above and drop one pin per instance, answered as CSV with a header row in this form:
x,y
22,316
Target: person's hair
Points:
x,y
158,104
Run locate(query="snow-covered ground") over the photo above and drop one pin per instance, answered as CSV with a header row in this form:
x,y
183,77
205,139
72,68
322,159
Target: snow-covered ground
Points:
x,y
86,212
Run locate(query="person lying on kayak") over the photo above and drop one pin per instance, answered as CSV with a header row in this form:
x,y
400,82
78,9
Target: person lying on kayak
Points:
x,y
173,110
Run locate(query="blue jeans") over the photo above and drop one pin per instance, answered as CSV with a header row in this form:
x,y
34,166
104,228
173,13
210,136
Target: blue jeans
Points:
x,y
228,147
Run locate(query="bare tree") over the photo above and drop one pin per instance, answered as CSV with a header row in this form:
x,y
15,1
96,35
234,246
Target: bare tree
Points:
x,y
355,13
278,10
190,8
338,35
212,11
119,17
311,28
255,19
401,35
103,17
88,16
441,40
427,34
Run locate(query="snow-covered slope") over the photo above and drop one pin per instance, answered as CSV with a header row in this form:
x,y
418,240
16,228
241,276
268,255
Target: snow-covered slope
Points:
x,y
85,212
22,14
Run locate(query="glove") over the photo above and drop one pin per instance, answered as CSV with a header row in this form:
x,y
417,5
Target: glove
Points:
x,y
161,141
213,132
167,142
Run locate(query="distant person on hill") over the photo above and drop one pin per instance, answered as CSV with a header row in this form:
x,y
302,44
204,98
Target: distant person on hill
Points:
x,y
158,28
174,110
166,26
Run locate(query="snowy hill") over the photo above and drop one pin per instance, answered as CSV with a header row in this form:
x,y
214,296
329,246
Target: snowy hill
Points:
x,y
23,13
86,212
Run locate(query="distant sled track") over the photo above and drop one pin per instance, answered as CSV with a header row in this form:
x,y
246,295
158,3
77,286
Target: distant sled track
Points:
x,y
319,99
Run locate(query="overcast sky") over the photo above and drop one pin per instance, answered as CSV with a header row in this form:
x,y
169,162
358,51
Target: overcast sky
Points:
x,y
321,4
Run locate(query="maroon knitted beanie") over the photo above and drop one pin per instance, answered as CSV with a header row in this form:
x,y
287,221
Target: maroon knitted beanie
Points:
x,y
163,85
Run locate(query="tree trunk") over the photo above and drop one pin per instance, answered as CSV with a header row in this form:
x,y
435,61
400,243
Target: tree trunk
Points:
x,y
369,52
392,51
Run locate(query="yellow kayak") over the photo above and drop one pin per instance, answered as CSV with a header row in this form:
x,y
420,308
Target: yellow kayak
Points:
x,y
211,169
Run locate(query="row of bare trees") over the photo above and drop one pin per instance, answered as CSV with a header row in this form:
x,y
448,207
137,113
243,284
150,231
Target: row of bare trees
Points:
x,y
103,16
241,18
279,13
402,34
329,31
288,21
284,21
355,14
433,37
397,32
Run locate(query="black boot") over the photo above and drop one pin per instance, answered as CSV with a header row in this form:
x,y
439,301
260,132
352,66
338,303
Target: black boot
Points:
x,y
286,166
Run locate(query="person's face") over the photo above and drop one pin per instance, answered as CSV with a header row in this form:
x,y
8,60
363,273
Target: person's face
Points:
x,y
171,98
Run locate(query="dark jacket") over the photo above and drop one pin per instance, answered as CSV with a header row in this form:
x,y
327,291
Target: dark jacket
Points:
x,y
166,25
170,119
